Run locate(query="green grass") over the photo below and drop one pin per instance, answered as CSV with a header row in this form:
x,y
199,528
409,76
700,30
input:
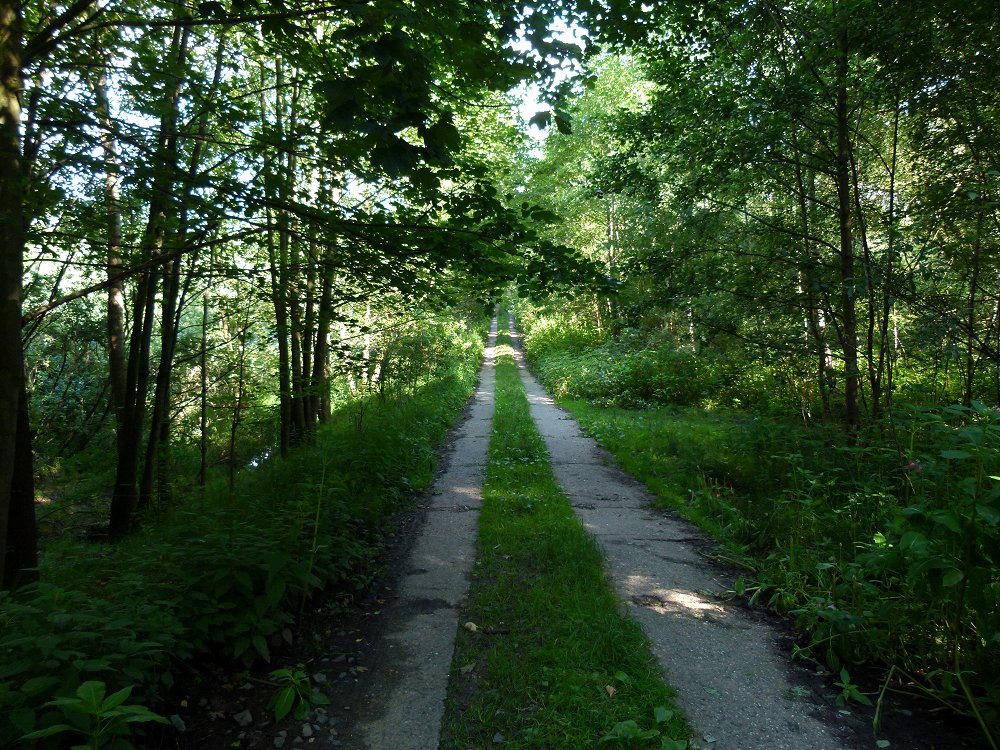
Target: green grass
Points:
x,y
554,662
824,532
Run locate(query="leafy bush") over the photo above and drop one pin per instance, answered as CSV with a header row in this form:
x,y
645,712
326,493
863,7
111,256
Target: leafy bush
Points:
x,y
223,571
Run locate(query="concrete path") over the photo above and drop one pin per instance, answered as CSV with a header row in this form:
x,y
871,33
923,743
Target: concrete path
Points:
x,y
731,680
407,699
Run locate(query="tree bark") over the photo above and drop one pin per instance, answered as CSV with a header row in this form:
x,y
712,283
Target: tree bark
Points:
x,y
21,564
116,284
277,253
158,444
848,317
16,526
125,497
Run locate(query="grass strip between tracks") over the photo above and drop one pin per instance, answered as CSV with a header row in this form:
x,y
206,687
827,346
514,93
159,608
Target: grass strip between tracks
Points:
x,y
546,658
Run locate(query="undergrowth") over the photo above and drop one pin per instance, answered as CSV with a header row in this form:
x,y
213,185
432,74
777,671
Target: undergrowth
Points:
x,y
222,572
547,658
885,549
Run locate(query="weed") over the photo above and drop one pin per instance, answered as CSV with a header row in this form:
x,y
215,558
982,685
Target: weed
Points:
x,y
104,722
294,693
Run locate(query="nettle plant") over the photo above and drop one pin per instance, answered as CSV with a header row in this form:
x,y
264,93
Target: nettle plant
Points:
x,y
942,552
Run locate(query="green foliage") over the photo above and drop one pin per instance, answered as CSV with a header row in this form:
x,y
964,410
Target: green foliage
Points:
x,y
223,571
103,721
628,733
882,554
633,370
295,694
554,662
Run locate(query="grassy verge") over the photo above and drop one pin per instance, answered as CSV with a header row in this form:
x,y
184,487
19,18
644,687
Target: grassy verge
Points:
x,y
222,572
553,662
883,549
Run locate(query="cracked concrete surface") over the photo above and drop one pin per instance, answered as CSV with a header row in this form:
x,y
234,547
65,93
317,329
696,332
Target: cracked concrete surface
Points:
x,y
407,699
731,679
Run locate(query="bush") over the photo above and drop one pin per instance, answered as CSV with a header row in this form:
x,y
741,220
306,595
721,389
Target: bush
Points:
x,y
222,572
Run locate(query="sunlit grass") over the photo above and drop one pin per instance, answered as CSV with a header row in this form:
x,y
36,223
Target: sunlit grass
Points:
x,y
553,662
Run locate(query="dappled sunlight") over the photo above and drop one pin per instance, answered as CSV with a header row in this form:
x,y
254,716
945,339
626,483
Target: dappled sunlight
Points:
x,y
677,601
473,493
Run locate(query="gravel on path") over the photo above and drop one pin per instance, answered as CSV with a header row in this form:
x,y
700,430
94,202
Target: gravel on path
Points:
x,y
408,693
731,679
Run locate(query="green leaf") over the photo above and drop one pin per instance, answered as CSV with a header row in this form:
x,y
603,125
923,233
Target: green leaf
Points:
x,y
541,119
23,719
92,694
912,539
669,744
882,743
563,123
38,685
662,714
956,455
948,521
49,731
952,577
623,730
283,703
116,699
260,645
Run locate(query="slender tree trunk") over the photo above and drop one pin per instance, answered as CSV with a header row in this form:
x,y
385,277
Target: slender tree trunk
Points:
x,y
970,332
815,330
277,249
126,495
875,373
116,285
321,355
848,318
158,444
17,515
238,407
887,352
203,372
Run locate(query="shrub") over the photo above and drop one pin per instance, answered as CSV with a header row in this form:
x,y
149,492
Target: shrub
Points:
x,y
223,571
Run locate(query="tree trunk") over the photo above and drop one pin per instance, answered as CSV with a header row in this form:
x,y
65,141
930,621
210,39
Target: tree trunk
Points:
x,y
21,564
17,526
848,318
116,285
887,353
321,355
125,498
158,445
278,265
203,372
970,332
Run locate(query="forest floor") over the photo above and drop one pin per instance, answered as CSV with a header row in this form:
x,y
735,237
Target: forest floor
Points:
x,y
385,661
